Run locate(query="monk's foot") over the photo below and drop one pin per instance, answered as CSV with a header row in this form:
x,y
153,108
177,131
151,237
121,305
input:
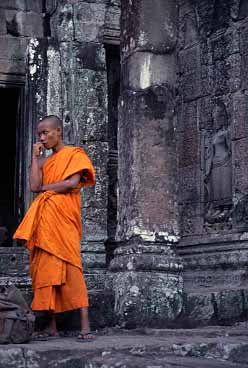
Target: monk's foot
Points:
x,y
86,336
45,335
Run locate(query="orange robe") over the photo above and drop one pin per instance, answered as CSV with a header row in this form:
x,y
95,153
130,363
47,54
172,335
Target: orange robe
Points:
x,y
52,230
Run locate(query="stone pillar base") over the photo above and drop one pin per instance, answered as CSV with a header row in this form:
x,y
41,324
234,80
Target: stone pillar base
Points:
x,y
148,285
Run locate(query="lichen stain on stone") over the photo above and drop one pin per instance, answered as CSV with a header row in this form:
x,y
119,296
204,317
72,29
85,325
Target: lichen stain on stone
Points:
x,y
151,236
142,39
37,97
134,290
53,81
130,266
132,43
32,47
145,73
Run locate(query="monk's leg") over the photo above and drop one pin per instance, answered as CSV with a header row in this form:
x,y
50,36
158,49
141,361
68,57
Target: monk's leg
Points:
x,y
52,325
85,333
85,324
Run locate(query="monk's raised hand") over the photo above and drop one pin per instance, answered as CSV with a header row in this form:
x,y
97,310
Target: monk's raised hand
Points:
x,y
38,149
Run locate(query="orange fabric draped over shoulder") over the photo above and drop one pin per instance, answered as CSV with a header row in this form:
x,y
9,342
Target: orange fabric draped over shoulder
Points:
x,y
52,230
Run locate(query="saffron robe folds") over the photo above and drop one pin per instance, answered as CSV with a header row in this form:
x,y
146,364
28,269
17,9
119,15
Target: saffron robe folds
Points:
x,y
52,230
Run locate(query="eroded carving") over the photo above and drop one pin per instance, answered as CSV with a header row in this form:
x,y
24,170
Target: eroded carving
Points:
x,y
218,167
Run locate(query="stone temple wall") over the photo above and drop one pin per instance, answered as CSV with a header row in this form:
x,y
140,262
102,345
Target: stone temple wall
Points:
x,y
212,143
19,21
181,139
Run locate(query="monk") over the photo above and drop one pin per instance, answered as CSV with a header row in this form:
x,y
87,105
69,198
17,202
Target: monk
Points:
x,y
52,230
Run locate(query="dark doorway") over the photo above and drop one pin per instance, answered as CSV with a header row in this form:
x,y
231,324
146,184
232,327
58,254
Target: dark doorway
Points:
x,y
113,73
9,97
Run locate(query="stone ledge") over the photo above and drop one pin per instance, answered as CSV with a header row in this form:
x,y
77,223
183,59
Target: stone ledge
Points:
x,y
113,348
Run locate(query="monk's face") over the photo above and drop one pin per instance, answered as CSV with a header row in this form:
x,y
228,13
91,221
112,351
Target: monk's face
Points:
x,y
49,135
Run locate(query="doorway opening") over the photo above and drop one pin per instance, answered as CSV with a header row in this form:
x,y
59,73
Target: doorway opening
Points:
x,y
113,74
10,101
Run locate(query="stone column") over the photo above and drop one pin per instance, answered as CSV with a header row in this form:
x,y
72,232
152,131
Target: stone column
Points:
x,y
147,280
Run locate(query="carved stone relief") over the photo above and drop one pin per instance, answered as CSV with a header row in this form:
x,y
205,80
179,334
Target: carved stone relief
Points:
x,y
218,168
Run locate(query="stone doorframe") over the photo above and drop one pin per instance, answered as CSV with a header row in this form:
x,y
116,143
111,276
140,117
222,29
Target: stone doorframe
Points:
x,y
23,150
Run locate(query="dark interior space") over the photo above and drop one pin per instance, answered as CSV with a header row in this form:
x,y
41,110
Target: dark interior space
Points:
x,y
113,73
9,97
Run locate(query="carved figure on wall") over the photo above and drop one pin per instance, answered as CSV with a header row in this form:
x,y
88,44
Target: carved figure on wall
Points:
x,y
218,168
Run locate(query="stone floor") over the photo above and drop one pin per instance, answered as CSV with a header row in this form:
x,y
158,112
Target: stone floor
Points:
x,y
211,347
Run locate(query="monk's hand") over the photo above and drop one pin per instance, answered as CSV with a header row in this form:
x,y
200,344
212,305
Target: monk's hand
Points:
x,y
37,149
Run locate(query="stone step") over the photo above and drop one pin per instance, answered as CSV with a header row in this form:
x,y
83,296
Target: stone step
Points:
x,y
214,306
123,348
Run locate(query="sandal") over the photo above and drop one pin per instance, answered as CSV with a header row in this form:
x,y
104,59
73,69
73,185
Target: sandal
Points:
x,y
86,337
45,336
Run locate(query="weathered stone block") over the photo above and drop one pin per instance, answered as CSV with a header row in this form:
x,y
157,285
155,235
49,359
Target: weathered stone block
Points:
x,y
140,32
54,81
146,121
89,20
199,309
243,39
112,22
245,298
13,48
188,27
204,11
205,113
144,69
13,4
90,105
24,24
191,219
3,28
229,305
90,55
227,75
240,168
147,299
225,45
84,93
239,115
189,146
14,262
189,181
15,67
34,5
94,224
94,209
190,81
62,26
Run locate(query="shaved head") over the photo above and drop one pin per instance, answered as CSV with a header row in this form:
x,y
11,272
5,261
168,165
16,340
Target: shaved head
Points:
x,y
54,120
50,132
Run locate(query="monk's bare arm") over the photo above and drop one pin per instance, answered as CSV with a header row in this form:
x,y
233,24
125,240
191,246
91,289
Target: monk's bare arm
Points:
x,y
35,177
63,186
